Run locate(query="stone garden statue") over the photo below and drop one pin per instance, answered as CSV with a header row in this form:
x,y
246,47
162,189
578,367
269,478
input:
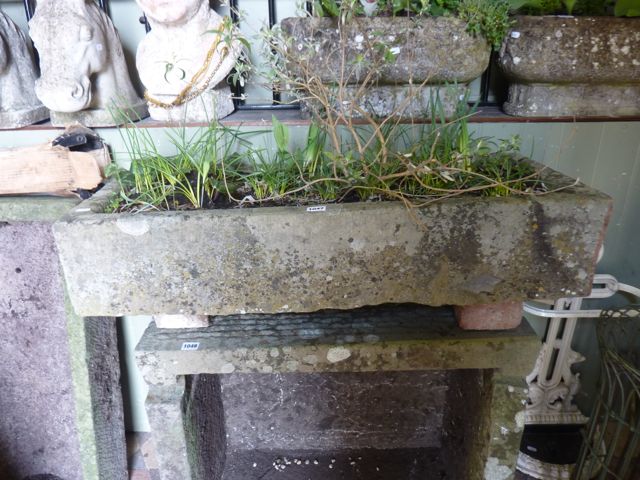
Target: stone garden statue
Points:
x,y
185,59
83,70
19,105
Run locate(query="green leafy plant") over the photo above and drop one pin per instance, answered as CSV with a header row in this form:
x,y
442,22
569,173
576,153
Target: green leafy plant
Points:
x,y
418,164
192,177
627,8
348,155
619,8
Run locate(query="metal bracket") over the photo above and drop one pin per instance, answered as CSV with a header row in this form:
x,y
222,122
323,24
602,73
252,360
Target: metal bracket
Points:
x,y
604,286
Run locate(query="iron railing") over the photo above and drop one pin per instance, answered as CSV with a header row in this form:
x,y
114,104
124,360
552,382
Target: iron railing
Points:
x,y
238,90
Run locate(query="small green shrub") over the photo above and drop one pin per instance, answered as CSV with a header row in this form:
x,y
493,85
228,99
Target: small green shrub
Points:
x,y
418,164
619,8
488,18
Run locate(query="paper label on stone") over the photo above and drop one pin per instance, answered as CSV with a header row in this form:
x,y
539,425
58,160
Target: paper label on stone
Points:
x,y
317,208
190,346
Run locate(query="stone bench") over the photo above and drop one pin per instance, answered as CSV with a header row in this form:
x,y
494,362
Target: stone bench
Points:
x,y
336,385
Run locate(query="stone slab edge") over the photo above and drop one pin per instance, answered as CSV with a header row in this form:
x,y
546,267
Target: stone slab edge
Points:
x,y
79,359
106,397
513,353
35,208
509,399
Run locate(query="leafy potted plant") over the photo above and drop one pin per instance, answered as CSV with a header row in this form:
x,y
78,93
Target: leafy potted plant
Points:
x,y
403,48
565,65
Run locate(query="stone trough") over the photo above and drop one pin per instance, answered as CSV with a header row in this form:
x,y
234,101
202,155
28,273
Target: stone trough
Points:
x,y
459,251
572,66
433,57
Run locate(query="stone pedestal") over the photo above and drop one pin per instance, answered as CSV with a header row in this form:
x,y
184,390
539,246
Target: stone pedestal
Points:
x,y
101,117
364,388
61,403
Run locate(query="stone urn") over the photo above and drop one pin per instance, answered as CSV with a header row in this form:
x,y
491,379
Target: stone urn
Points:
x,y
403,63
572,66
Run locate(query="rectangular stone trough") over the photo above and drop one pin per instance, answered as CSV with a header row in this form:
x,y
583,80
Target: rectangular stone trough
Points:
x,y
459,251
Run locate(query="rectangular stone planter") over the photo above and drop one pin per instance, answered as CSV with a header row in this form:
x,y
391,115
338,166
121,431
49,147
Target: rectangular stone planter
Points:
x,y
572,66
459,251
433,57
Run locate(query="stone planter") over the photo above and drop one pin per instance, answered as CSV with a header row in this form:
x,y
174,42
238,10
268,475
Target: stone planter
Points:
x,y
434,56
572,66
459,251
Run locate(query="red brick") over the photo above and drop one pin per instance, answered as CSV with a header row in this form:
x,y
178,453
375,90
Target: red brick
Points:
x,y
495,316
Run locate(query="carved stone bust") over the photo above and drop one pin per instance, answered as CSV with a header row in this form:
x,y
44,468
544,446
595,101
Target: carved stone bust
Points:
x,y
19,105
185,59
83,69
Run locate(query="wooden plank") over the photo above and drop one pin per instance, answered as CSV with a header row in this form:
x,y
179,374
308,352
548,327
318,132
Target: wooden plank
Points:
x,y
50,169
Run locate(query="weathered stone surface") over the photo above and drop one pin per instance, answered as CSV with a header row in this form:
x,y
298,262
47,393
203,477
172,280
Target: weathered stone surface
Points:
x,y
299,411
496,316
37,431
357,421
462,251
400,100
433,49
578,99
165,412
103,369
204,427
34,208
60,403
370,339
84,76
273,405
506,426
19,105
100,117
544,56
